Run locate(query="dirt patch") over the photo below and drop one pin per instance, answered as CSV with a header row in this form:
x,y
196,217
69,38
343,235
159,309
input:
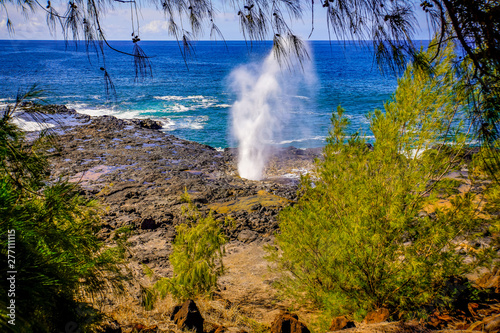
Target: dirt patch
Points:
x,y
248,280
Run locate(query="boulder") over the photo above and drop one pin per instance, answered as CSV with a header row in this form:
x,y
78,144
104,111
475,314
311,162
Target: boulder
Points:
x,y
340,323
148,123
187,316
288,323
175,310
247,236
377,316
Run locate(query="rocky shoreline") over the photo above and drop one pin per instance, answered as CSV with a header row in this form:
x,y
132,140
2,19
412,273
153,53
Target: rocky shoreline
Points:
x,y
139,173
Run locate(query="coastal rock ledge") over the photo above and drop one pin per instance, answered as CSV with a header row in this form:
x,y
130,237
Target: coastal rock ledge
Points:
x,y
139,173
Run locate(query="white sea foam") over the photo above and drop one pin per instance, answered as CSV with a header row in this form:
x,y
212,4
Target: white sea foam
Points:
x,y
319,137
95,111
31,126
196,126
414,153
358,118
169,98
178,108
194,123
179,98
190,103
261,108
70,96
167,124
184,108
42,122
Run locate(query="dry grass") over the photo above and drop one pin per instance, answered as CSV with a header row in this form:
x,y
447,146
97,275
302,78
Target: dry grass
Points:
x,y
247,301
389,327
129,312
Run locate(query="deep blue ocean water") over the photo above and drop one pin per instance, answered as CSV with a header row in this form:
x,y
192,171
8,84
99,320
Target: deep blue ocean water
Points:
x,y
194,102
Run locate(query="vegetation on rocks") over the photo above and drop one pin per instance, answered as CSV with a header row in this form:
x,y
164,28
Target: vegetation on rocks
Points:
x,y
196,257
48,233
367,232
360,237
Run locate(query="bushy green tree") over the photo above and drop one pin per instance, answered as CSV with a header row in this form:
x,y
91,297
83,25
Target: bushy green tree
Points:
x,y
196,257
357,239
51,230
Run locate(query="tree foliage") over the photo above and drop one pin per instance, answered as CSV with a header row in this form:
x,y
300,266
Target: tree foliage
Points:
x,y
196,257
52,229
358,239
475,27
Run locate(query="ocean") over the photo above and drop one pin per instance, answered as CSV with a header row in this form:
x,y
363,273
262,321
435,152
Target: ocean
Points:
x,y
194,101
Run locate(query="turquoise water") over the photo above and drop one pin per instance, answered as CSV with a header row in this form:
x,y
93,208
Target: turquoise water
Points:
x,y
194,102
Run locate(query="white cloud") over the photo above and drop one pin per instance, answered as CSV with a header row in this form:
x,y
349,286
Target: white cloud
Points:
x,y
155,27
24,28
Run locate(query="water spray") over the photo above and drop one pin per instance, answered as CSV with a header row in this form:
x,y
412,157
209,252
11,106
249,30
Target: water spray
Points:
x,y
260,111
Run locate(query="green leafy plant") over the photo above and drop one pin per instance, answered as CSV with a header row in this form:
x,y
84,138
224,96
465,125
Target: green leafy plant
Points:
x,y
58,258
356,240
196,257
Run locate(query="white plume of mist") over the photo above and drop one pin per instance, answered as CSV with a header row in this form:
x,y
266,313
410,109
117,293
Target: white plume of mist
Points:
x,y
261,110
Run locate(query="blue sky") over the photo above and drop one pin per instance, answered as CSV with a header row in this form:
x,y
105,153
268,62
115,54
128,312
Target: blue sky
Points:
x,y
117,25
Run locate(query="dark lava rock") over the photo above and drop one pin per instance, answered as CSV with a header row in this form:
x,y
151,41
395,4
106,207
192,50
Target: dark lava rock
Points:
x,y
187,316
139,176
288,323
47,109
148,123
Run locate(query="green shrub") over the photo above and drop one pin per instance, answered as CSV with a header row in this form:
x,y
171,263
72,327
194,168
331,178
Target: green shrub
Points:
x,y
357,239
196,257
57,255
